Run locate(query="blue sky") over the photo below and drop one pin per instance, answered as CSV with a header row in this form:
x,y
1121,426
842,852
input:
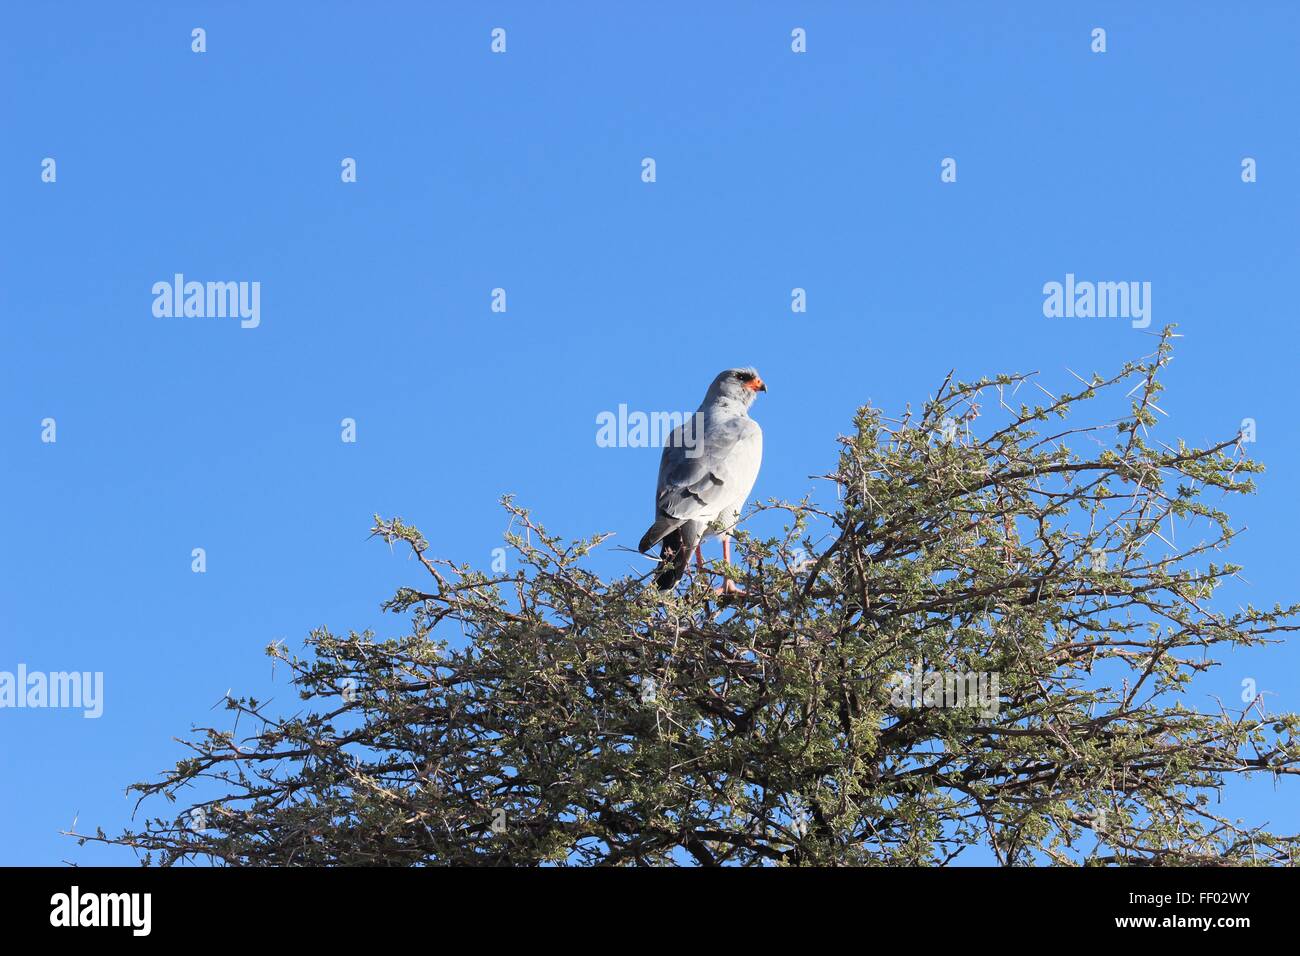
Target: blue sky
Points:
x,y
522,171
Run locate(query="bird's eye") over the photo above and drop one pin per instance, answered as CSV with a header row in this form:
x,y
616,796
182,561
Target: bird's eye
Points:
x,y
744,376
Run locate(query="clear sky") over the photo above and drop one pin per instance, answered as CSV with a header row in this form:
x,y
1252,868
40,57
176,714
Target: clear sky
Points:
x,y
523,171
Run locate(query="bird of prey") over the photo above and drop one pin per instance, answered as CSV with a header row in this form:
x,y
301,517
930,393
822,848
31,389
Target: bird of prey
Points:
x,y
708,467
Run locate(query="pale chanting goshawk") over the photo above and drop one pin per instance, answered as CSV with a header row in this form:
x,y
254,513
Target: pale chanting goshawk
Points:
x,y
708,468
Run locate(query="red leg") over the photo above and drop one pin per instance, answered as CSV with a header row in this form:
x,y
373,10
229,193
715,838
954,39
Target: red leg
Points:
x,y
728,587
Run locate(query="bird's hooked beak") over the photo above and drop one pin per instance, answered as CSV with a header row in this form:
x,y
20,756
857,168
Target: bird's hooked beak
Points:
x,y
756,384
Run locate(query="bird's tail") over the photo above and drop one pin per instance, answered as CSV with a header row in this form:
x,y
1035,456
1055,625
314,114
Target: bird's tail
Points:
x,y
658,531
674,555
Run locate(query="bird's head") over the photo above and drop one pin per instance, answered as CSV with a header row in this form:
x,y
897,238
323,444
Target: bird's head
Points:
x,y
740,385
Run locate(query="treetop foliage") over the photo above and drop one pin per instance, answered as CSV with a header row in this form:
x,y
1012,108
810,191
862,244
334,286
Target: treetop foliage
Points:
x,y
547,715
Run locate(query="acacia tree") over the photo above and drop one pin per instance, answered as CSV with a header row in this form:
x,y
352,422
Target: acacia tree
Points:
x,y
548,715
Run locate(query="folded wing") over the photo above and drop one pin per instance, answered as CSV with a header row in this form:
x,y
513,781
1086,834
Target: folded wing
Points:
x,y
699,483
